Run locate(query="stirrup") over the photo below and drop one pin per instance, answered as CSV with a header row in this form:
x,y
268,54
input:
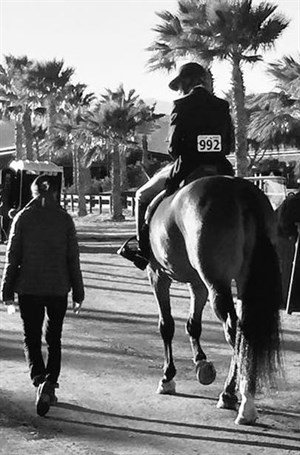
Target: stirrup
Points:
x,y
125,251
133,255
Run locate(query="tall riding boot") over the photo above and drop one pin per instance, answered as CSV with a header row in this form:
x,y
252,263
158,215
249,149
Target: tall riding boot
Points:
x,y
138,256
142,230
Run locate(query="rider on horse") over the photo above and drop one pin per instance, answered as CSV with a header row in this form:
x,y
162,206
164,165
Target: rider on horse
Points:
x,y
201,134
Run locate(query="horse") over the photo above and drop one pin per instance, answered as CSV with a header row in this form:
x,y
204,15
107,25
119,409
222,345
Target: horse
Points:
x,y
213,232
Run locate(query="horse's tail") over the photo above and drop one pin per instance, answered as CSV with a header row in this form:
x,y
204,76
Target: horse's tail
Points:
x,y
258,331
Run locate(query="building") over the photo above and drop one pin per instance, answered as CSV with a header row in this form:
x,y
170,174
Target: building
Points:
x,y
7,143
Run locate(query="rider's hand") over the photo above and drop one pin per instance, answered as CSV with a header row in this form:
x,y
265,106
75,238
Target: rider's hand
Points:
x,y
77,307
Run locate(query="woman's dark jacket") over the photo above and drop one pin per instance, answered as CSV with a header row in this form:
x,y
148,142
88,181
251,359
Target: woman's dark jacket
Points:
x,y
42,255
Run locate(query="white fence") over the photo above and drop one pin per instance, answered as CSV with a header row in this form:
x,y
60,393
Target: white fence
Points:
x,y
274,187
97,204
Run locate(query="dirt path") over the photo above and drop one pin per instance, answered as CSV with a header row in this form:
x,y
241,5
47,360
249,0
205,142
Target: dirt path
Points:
x,y
112,360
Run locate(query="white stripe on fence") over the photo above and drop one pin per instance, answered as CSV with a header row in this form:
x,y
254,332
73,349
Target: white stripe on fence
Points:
x,y
95,203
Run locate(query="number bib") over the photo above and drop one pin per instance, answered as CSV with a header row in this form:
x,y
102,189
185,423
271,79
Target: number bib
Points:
x,y
212,143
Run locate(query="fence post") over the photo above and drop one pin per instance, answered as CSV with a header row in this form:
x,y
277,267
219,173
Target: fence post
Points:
x,y
110,204
100,204
91,203
63,200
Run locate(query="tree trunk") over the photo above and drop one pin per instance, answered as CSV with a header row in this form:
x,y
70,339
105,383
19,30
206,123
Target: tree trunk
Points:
x,y
51,115
117,214
19,137
27,125
75,169
82,211
240,119
123,168
81,183
37,148
145,157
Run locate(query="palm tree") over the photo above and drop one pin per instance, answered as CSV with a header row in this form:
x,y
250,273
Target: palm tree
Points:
x,y
17,102
227,30
273,121
114,121
275,116
175,41
287,75
50,81
71,134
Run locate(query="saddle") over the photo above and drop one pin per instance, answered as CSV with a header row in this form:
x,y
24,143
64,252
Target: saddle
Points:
x,y
203,170
140,255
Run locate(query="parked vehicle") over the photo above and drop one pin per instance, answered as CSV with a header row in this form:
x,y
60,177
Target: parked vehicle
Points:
x,y
15,183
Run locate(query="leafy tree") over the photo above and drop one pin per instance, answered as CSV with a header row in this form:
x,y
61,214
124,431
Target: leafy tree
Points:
x,y
275,116
71,135
50,82
287,75
17,102
175,40
227,30
114,122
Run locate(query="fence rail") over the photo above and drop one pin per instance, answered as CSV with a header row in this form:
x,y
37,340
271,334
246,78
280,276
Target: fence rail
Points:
x,y
96,203
274,187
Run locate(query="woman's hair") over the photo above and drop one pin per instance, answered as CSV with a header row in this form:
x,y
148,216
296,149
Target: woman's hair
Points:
x,y
43,185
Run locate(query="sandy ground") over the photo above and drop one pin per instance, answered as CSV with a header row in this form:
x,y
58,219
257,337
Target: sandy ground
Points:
x,y
112,361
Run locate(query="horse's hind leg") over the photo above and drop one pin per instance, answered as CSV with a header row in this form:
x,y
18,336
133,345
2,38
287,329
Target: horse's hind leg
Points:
x,y
228,398
161,283
247,413
205,370
223,305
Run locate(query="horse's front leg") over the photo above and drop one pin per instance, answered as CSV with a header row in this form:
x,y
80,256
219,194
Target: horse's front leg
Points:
x,y
205,370
161,283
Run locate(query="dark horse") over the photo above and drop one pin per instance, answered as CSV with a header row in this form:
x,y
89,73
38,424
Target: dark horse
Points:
x,y
212,232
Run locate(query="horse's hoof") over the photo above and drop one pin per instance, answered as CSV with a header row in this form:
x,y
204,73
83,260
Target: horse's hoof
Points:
x,y
166,388
227,401
206,372
240,420
246,418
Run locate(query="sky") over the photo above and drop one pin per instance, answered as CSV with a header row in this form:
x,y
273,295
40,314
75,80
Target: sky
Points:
x,y
106,41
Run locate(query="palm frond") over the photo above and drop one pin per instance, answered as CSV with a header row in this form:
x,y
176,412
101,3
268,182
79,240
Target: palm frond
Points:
x,y
287,74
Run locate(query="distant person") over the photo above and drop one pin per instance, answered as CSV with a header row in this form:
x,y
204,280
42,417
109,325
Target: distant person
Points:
x,y
2,232
288,249
4,217
41,267
289,215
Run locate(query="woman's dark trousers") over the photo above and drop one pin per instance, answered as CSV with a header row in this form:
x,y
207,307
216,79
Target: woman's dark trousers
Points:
x,y
32,310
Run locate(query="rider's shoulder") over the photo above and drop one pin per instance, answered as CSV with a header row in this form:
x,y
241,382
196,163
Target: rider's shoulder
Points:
x,y
200,93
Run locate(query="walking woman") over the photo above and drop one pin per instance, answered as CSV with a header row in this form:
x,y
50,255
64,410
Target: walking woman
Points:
x,y
41,267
